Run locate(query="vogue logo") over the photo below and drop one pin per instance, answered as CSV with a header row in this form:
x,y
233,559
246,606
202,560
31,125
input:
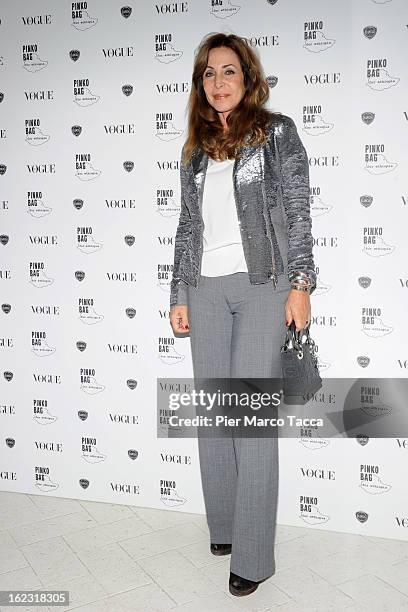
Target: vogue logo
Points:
x,y
324,78
49,446
165,240
118,52
173,458
120,128
169,165
320,473
36,20
171,7
128,277
41,94
41,168
121,487
328,161
169,88
263,41
124,419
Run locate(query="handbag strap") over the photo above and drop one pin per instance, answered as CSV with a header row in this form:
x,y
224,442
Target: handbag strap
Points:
x,y
293,339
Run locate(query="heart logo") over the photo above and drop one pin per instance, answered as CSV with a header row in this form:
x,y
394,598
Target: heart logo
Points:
x,y
127,89
362,439
368,117
128,166
364,282
363,361
361,516
272,81
370,32
130,240
76,130
366,200
126,11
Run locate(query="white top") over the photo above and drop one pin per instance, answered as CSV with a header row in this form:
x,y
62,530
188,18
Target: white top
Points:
x,y
222,245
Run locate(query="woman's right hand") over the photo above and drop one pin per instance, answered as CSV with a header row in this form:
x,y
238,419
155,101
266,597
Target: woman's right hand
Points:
x,y
179,318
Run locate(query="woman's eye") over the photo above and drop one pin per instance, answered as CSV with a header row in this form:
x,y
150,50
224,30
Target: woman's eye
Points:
x,y
209,74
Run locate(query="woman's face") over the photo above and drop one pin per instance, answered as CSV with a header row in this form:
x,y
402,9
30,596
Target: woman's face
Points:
x,y
223,80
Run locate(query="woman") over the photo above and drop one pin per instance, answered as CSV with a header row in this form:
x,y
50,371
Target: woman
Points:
x,y
243,261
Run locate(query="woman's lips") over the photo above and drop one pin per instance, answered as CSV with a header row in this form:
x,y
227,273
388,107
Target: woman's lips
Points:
x,y
220,96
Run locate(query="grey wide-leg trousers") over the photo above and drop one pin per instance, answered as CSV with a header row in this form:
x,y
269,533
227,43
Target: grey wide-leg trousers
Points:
x,y
236,330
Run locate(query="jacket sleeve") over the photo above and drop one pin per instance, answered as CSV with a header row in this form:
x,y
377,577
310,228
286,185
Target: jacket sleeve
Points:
x,y
296,201
178,288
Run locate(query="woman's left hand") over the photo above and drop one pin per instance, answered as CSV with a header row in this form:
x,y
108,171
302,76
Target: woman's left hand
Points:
x,y
297,308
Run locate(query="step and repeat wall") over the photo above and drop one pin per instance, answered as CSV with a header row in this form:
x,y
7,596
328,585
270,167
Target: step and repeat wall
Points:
x,y
92,120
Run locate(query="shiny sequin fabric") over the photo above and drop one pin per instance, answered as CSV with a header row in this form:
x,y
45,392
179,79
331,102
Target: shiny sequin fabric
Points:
x,y
271,186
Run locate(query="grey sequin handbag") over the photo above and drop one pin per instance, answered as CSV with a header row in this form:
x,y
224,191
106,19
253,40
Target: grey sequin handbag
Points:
x,y
300,369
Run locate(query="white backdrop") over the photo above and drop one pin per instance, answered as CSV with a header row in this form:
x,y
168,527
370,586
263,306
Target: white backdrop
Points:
x,y
93,98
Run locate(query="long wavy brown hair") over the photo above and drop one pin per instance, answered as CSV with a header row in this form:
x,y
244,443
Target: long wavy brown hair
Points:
x,y
247,122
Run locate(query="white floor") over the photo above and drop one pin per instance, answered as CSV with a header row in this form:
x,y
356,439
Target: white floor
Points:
x,y
125,558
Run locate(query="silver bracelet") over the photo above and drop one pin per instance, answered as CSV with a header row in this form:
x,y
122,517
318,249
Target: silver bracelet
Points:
x,y
301,280
305,288
299,275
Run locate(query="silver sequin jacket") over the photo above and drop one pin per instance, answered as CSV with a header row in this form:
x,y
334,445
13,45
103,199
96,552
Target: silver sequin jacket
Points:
x,y
271,187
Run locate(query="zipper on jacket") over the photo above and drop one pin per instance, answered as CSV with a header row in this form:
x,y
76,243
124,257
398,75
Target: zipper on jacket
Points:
x,y
267,220
201,257
234,171
201,249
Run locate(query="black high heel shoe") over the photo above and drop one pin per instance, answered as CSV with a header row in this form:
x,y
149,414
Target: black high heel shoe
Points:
x,y
220,549
242,586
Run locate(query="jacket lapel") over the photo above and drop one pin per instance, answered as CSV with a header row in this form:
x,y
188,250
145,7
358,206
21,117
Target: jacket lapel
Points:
x,y
199,164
